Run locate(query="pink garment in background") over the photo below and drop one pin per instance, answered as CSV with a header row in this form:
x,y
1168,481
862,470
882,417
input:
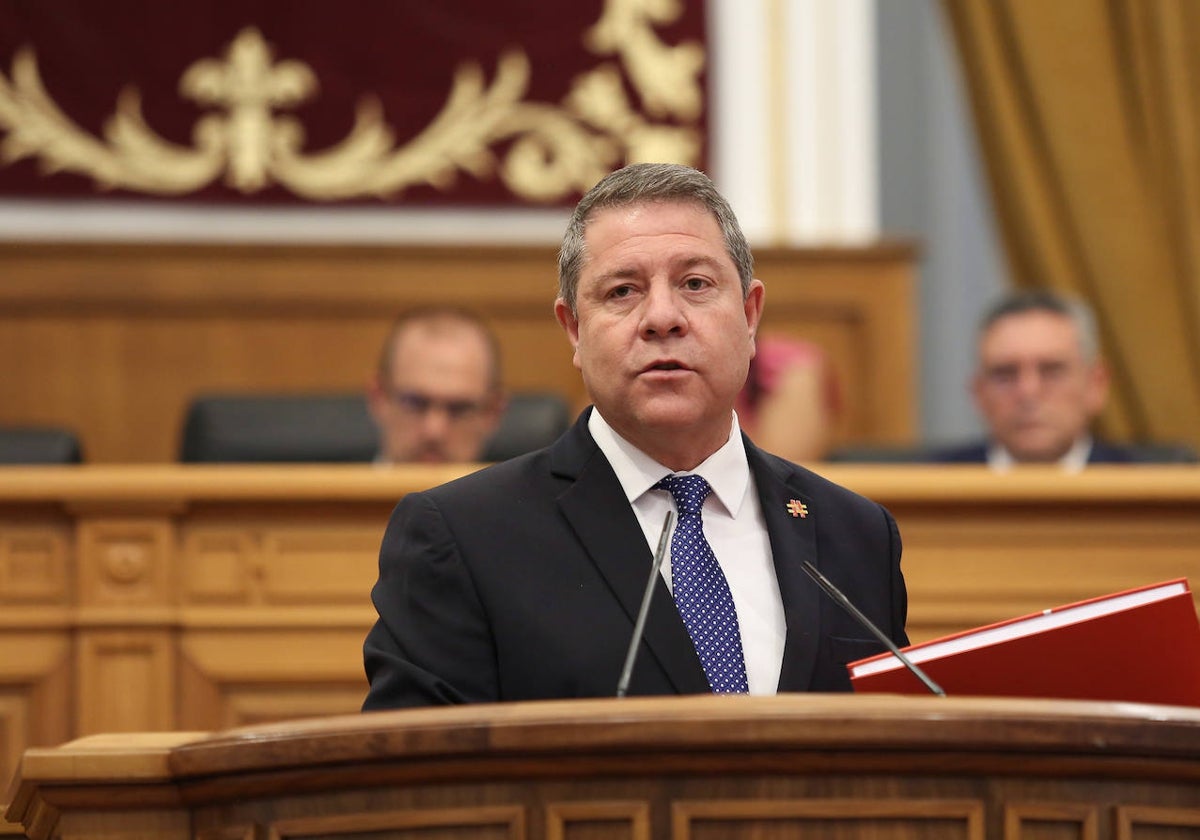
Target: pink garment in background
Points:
x,y
774,355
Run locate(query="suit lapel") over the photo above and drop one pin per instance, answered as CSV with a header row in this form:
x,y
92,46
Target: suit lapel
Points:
x,y
792,532
595,506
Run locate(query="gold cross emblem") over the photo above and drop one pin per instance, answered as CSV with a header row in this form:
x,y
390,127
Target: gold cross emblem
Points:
x,y
797,508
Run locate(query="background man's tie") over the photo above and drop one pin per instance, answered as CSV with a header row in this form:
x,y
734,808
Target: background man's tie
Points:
x,y
701,592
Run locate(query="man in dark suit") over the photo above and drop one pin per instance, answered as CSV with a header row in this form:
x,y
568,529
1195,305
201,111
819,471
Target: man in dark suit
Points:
x,y
523,581
1039,384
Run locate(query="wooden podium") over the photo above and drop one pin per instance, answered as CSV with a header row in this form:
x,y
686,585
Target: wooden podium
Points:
x,y
811,766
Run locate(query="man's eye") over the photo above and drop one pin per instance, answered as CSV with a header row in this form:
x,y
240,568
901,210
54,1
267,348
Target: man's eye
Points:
x,y
695,283
1002,375
1052,370
621,291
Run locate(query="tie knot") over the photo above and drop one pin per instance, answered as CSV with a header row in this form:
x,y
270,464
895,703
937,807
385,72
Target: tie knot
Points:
x,y
689,491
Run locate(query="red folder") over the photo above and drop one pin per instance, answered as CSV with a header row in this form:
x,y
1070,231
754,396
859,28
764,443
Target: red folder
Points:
x,y
1141,645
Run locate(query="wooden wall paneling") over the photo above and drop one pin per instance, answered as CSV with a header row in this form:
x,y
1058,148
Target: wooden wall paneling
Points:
x,y
261,671
1149,822
274,609
36,575
1044,819
126,681
861,309
598,820
114,340
977,562
34,561
249,832
126,561
35,691
826,819
485,823
280,562
125,649
161,824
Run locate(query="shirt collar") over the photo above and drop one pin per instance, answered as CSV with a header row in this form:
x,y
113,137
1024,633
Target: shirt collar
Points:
x,y
1075,459
727,471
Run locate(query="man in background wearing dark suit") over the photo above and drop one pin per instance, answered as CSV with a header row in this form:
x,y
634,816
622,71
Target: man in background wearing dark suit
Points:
x,y
1038,385
523,581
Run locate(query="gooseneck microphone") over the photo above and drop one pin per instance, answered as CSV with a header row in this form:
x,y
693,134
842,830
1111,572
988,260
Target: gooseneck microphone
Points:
x,y
639,626
842,601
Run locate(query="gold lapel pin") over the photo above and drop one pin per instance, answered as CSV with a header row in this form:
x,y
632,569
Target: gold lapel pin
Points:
x,y
797,508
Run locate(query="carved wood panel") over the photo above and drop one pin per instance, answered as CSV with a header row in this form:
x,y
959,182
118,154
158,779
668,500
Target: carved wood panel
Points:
x,y
34,694
280,564
598,820
778,819
126,681
485,823
125,561
33,563
1145,822
236,677
1028,820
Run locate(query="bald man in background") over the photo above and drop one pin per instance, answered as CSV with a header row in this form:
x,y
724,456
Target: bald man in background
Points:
x,y
436,395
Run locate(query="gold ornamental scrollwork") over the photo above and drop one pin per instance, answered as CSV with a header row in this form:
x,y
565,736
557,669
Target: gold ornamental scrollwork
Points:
x,y
552,149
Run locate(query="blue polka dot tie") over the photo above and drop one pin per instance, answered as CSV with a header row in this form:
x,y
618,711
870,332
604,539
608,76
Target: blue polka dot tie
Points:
x,y
701,592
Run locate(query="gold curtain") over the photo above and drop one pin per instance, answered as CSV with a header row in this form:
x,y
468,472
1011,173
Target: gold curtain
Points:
x,y
1089,116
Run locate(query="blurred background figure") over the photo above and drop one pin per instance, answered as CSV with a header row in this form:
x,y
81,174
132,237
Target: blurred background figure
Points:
x,y
790,401
437,394
1038,385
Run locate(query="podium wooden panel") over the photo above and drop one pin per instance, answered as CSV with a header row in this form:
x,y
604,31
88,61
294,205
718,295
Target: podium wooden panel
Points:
x,y
113,340
201,597
816,766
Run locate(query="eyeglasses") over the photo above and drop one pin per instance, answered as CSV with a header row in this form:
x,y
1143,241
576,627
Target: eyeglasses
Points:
x,y
1048,373
418,405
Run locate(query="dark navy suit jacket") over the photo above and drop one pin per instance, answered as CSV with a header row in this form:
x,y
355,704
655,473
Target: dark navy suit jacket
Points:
x,y
976,453
523,581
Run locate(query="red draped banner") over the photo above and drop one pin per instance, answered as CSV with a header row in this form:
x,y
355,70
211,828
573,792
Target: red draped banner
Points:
x,y
469,102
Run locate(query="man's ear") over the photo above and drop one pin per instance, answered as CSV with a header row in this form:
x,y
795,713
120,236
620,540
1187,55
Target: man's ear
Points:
x,y
975,387
570,325
753,305
376,399
566,318
1097,387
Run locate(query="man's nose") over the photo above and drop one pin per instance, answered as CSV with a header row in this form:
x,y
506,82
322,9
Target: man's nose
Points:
x,y
662,312
1029,382
435,422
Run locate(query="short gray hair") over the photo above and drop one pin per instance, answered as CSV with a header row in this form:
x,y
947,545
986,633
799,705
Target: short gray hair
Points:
x,y
644,183
1044,300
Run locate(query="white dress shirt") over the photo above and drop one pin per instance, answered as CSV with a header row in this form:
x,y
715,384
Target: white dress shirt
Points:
x,y
733,525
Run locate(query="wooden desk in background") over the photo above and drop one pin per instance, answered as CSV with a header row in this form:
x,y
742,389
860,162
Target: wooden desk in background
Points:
x,y
199,598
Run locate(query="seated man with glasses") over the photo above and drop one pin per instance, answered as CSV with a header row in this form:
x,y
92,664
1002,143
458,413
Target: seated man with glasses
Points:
x,y
437,395
1038,385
